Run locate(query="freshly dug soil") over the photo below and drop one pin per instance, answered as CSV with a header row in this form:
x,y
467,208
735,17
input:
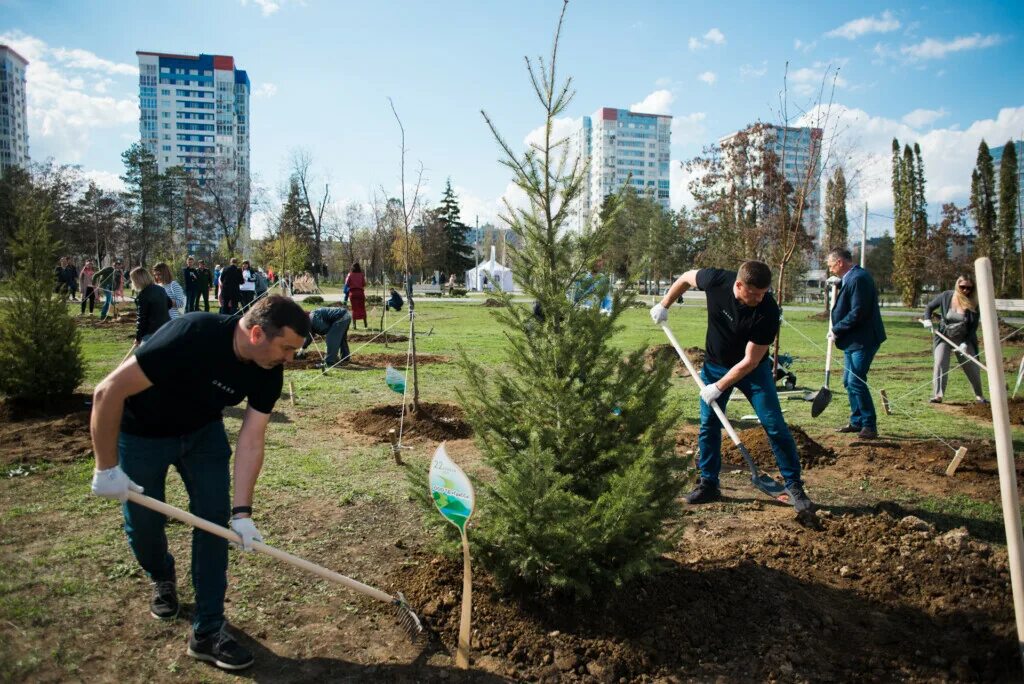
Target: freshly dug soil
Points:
x,y
984,411
667,351
124,323
1010,333
361,361
434,421
391,338
862,598
57,434
494,303
819,316
812,454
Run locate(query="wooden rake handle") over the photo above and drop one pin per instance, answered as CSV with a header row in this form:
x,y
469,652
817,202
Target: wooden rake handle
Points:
x,y
700,384
207,526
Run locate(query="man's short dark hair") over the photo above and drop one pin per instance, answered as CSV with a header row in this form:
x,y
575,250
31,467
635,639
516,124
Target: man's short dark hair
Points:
x,y
840,253
274,313
755,274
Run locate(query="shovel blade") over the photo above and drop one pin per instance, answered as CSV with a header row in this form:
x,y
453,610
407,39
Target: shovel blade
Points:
x,y
769,486
821,401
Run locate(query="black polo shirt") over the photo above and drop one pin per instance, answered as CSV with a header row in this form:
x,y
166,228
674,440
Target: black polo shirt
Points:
x,y
192,364
732,324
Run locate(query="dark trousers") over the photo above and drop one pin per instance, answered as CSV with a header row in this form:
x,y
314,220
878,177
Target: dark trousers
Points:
x,y
759,388
855,376
246,297
229,302
202,459
191,300
205,294
337,340
90,295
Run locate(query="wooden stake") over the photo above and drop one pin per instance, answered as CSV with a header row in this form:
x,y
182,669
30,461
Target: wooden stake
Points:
x,y
957,460
291,392
885,402
466,619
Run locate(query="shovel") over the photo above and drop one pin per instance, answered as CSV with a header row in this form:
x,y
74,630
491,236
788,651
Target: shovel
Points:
x,y
824,396
406,617
761,481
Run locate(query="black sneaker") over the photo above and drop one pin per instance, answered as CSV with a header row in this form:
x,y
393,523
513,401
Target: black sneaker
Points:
x,y
221,649
848,428
801,502
164,604
706,491
868,433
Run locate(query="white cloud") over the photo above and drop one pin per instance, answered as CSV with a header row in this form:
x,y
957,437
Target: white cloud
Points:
x,y
564,127
689,129
708,77
658,102
105,180
265,90
948,153
663,82
856,28
804,47
267,7
808,81
932,48
751,71
712,37
77,58
64,108
920,118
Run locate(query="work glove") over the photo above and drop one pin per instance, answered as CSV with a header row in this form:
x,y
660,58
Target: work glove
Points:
x,y
710,393
113,483
659,314
927,323
963,349
246,529
831,336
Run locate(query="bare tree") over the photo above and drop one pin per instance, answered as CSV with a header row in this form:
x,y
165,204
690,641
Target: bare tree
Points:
x,y
302,171
227,203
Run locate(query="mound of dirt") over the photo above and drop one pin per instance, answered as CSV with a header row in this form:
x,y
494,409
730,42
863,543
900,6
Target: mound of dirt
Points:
x,y
57,434
862,598
362,338
667,351
819,316
812,454
361,361
434,421
494,303
976,410
1010,333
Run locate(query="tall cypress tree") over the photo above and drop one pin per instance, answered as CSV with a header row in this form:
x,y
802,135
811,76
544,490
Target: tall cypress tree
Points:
x,y
920,218
983,209
906,248
837,224
458,253
1009,194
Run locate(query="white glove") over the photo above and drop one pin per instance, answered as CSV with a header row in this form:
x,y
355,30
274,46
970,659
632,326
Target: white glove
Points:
x,y
927,323
659,314
246,529
831,336
710,393
963,348
112,483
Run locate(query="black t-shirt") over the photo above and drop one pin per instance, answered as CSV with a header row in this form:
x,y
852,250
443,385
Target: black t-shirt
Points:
x,y
732,324
231,280
192,364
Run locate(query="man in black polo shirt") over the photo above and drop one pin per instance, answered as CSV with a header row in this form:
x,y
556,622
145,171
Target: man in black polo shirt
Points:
x,y
206,362
743,320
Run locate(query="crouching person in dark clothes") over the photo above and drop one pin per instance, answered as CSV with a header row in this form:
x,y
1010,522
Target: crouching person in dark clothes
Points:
x,y
332,322
204,361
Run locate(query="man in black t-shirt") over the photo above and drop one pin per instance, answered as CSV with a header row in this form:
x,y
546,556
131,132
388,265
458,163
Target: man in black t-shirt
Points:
x,y
743,320
206,362
230,288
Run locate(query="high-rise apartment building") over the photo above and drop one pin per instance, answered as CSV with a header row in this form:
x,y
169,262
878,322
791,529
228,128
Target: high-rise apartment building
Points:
x,y
624,147
799,153
194,113
13,117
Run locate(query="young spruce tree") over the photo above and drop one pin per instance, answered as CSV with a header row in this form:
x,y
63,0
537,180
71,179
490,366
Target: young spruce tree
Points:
x,y
579,439
40,352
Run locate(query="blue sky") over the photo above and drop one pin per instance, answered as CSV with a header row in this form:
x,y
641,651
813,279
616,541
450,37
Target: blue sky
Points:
x,y
944,74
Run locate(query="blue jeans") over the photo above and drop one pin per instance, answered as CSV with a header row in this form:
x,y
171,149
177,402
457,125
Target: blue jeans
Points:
x,y
202,459
759,388
855,375
108,298
337,340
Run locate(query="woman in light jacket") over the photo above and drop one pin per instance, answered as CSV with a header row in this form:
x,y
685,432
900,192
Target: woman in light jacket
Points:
x,y
162,273
958,320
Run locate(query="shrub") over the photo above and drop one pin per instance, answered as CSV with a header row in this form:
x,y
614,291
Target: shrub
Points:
x,y
374,300
40,350
314,299
458,292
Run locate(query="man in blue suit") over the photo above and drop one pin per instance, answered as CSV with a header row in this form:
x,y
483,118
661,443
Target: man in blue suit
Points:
x,y
856,329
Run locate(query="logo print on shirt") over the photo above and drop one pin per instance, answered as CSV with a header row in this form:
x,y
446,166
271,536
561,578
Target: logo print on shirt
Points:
x,y
726,314
224,387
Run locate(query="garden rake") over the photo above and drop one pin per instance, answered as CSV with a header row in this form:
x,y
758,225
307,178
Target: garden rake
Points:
x,y
761,481
407,618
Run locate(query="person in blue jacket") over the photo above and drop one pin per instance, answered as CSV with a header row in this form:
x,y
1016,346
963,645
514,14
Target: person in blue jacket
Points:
x,y
856,329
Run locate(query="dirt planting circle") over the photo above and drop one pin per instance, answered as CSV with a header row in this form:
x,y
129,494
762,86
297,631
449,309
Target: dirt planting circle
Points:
x,y
378,338
812,454
433,421
56,434
667,351
361,361
984,411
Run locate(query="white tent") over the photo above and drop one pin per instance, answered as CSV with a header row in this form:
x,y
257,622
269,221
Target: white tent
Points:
x,y
494,273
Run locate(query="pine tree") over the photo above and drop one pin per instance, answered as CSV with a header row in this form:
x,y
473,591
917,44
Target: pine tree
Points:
x,y
295,220
142,199
836,222
983,209
458,253
579,439
1009,194
40,351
